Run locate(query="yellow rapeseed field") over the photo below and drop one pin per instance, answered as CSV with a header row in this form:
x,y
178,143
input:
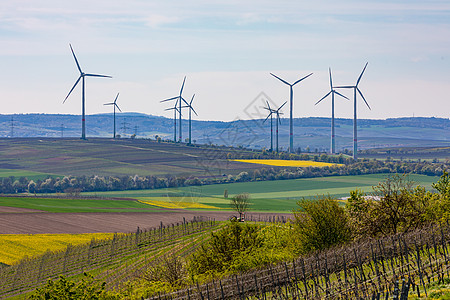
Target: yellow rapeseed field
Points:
x,y
286,163
173,203
14,247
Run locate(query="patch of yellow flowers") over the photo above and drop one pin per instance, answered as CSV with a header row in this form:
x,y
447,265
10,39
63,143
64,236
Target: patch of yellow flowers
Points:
x,y
14,247
286,163
175,204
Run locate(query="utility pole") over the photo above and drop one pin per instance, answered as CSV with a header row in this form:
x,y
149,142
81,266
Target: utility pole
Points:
x,y
125,126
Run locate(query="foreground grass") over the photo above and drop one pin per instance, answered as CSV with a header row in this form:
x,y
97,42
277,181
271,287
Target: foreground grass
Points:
x,y
14,247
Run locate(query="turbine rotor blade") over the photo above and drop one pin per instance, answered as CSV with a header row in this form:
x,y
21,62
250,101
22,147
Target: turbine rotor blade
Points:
x,y
78,80
279,108
117,107
116,98
182,86
192,99
345,87
323,97
331,81
278,117
97,75
170,99
193,110
336,92
267,117
301,79
359,78
363,98
184,100
282,80
109,103
76,60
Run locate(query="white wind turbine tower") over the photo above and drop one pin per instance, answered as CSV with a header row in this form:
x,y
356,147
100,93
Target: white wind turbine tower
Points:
x,y
83,95
180,99
332,92
115,106
291,131
355,89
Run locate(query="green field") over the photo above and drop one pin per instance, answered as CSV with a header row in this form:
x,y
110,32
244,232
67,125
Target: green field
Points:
x,y
266,196
24,173
76,205
274,196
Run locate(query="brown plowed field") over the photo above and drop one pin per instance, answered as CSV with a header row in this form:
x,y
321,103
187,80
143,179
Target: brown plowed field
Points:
x,y
7,209
33,223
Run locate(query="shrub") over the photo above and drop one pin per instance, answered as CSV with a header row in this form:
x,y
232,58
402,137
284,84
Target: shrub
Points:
x,y
321,223
169,269
225,246
62,288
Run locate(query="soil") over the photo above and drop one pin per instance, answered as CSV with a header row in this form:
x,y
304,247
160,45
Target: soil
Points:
x,y
7,209
34,223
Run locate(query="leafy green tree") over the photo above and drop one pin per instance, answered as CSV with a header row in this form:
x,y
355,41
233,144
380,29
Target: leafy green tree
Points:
x,y
443,185
240,203
395,206
321,223
441,208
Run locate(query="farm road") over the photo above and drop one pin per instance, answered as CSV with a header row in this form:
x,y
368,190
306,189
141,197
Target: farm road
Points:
x,y
34,223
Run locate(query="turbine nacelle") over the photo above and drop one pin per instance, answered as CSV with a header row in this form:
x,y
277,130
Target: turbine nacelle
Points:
x,y
356,88
332,90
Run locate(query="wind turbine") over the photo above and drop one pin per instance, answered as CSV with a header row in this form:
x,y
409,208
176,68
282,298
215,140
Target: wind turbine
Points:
x,y
271,111
83,96
175,110
291,132
115,105
277,111
180,99
191,109
355,88
332,92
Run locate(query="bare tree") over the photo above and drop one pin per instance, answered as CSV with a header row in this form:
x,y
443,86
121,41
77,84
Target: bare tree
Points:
x,y
240,203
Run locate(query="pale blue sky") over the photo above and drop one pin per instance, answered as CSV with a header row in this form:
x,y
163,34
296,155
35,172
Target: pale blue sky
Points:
x,y
226,49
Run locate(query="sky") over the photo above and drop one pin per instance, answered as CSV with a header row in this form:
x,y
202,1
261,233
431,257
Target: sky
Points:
x,y
226,50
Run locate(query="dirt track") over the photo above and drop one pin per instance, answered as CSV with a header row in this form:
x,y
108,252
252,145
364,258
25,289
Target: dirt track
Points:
x,y
32,223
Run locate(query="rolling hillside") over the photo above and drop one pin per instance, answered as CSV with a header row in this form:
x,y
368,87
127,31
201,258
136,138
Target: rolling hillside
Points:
x,y
309,133
35,158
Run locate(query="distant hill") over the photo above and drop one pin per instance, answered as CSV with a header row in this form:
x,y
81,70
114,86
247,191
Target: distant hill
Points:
x,y
312,133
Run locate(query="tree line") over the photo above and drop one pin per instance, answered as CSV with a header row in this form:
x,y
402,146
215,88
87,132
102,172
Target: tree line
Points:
x,y
77,184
